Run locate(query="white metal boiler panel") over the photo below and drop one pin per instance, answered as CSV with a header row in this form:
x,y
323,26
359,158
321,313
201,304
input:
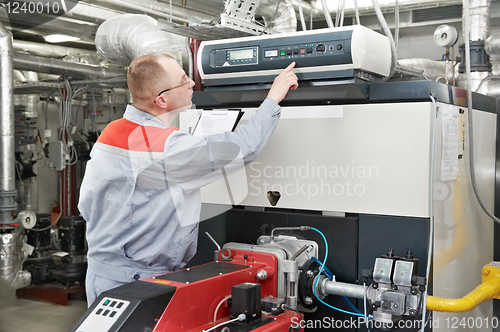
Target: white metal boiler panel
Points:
x,y
463,238
370,159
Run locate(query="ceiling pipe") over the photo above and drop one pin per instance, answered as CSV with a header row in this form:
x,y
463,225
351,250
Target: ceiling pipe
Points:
x,y
67,69
50,50
156,9
404,5
39,24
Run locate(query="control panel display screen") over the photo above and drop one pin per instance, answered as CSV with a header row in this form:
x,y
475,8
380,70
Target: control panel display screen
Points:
x,y
241,54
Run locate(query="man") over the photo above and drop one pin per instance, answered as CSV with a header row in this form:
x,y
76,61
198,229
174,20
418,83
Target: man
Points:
x,y
140,194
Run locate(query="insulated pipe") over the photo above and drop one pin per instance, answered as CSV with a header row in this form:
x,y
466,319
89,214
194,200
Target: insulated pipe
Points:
x,y
7,162
433,70
44,26
63,68
8,274
51,51
124,38
479,14
156,8
492,44
285,19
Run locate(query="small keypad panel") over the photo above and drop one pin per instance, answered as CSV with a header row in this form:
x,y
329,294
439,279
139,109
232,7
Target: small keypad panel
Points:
x,y
104,315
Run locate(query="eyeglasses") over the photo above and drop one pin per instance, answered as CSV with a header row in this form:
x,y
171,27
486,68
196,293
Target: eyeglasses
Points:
x,y
186,81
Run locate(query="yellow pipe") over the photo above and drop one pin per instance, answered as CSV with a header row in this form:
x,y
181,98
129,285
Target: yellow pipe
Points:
x,y
489,288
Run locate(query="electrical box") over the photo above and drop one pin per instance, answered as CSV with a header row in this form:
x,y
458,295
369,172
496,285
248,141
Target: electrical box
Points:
x,y
57,160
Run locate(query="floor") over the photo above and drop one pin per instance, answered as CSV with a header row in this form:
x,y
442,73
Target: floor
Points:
x,y
20,315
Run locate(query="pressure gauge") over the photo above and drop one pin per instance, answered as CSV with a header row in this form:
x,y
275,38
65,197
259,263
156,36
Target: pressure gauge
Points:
x,y
445,36
27,219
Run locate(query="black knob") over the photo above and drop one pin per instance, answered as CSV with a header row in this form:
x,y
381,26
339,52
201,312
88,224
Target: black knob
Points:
x,y
320,48
409,254
339,47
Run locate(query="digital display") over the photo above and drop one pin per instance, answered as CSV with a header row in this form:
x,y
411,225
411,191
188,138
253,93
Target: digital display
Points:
x,y
241,54
271,53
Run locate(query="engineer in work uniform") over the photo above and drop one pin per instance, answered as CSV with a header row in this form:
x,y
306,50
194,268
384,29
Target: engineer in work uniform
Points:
x,y
140,194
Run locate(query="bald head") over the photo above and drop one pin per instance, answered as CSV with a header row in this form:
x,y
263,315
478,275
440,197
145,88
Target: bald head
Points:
x,y
147,75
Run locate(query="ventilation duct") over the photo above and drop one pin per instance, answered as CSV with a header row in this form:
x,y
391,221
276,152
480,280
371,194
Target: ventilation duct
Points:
x,y
124,38
285,19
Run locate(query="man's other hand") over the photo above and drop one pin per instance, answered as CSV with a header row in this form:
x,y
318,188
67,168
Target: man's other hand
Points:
x,y
285,81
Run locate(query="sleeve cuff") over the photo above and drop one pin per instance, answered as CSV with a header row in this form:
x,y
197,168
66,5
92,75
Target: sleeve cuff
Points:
x,y
271,104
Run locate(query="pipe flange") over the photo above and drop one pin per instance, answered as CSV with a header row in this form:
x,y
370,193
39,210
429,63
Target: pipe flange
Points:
x,y
8,200
310,270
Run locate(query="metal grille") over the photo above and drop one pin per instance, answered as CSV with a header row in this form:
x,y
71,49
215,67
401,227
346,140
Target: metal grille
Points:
x,y
437,14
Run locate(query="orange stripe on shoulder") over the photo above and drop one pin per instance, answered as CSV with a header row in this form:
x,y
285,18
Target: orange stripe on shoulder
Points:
x,y
125,134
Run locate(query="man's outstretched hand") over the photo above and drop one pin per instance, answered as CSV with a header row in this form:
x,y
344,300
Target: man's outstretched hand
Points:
x,y
284,82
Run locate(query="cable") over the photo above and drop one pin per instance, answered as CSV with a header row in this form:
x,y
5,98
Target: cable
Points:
x,y
326,12
218,306
364,305
301,15
387,31
48,227
241,317
431,206
356,10
396,28
317,278
328,273
352,305
272,18
293,310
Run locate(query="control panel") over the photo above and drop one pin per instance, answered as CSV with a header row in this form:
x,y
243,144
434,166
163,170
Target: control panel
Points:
x,y
318,54
234,57
104,315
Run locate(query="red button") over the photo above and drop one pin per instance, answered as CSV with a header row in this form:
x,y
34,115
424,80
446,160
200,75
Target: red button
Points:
x,y
303,51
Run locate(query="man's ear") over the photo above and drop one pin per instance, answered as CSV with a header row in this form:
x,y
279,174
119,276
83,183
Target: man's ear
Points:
x,y
161,101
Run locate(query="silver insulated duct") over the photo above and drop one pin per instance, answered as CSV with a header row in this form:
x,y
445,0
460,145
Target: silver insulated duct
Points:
x,y
479,15
285,19
7,160
123,38
8,274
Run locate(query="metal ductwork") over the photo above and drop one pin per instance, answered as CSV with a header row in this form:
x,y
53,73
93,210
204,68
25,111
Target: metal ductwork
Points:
x,y
433,70
122,39
7,173
285,19
64,68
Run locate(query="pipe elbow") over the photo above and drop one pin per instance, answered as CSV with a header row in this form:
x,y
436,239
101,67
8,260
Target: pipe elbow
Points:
x,y
441,304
